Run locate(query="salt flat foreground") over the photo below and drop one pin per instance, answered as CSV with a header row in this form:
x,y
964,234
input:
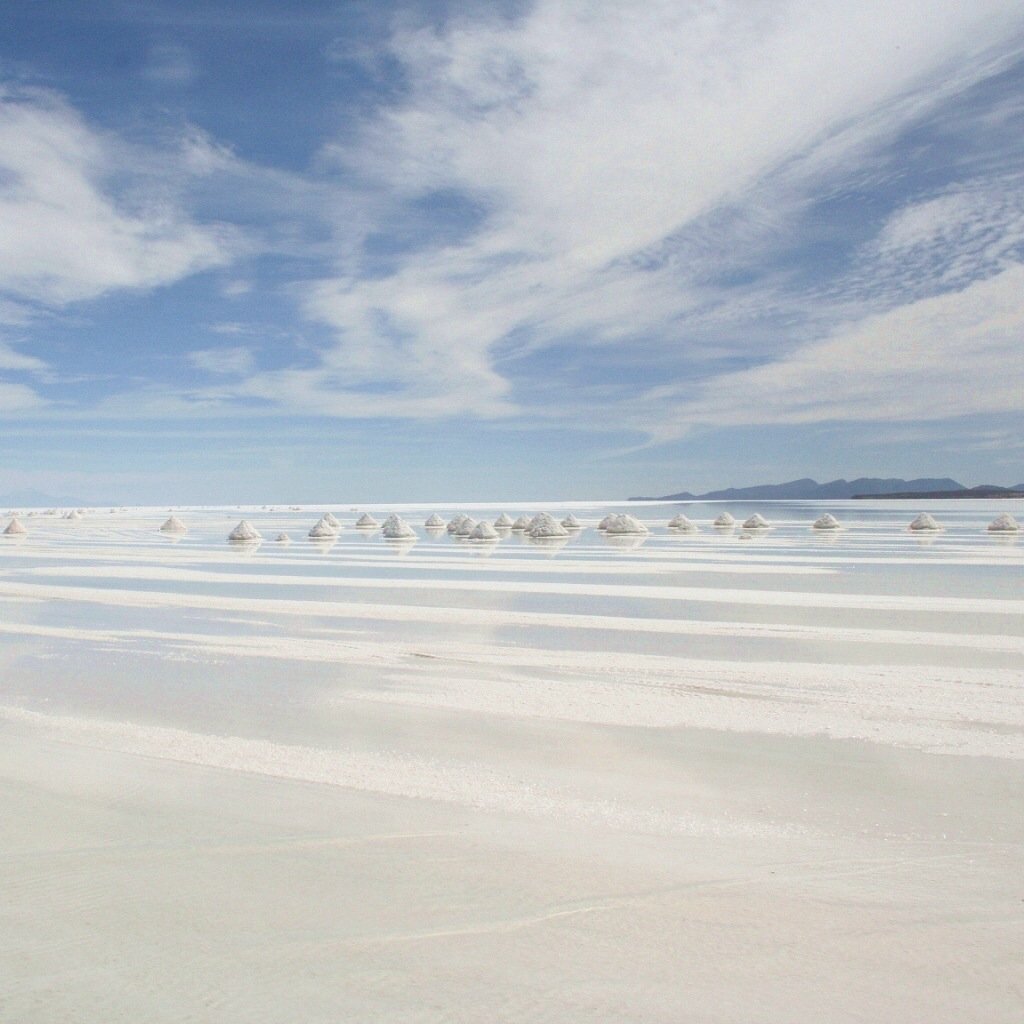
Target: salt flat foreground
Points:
x,y
696,779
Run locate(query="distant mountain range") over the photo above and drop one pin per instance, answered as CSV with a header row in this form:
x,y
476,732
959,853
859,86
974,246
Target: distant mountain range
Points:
x,y
865,486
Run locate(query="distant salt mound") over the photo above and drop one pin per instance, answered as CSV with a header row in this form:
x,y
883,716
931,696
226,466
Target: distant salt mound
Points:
x,y
924,523
74,515
504,521
456,521
681,524
756,522
396,528
625,525
323,531
545,526
282,538
570,522
329,519
483,531
366,521
434,522
466,527
174,525
827,522
521,525
245,533
1004,523
725,519
15,529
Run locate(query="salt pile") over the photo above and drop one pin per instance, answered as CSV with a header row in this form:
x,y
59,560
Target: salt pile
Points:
x,y
15,529
1004,523
570,522
504,521
682,524
827,522
483,531
329,519
725,520
395,528
322,531
466,527
756,522
366,520
607,521
625,525
545,526
435,522
456,521
282,538
245,532
522,524
74,515
174,525
924,523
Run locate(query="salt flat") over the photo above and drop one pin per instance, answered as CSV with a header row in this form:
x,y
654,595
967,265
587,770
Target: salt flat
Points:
x,y
697,777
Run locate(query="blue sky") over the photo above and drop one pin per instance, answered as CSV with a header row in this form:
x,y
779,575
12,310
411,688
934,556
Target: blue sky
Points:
x,y
257,251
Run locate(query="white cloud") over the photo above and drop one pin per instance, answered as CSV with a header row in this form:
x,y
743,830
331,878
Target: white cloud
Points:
x,y
590,134
234,361
66,236
18,398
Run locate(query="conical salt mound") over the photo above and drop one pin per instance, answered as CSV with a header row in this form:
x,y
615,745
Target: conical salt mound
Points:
x,y
756,522
545,526
625,524
456,521
15,529
322,531
434,522
466,527
570,522
282,538
395,528
74,515
827,522
329,519
1004,524
725,520
483,531
682,524
504,521
521,524
245,532
174,525
924,523
607,521
366,520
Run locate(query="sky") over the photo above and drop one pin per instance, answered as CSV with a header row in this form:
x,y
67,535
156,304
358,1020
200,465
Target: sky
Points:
x,y
372,251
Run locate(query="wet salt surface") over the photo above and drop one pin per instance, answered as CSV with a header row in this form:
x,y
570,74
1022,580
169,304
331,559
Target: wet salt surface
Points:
x,y
327,783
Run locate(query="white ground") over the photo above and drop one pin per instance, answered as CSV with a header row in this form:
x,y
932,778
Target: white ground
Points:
x,y
694,780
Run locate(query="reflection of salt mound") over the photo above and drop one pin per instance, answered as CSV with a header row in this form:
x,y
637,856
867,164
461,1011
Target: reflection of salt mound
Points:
x,y
329,519
174,525
396,528
322,531
724,519
746,536
625,541
756,522
282,538
245,532
483,531
435,522
545,526
682,524
827,522
625,525
1004,523
15,529
504,521
570,522
466,527
366,520
924,523
456,521
522,524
